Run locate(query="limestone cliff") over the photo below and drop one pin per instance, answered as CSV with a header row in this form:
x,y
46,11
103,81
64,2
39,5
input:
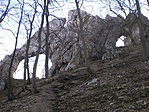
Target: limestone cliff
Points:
x,y
65,46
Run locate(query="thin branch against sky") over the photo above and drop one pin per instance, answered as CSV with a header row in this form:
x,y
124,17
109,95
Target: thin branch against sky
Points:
x,y
5,12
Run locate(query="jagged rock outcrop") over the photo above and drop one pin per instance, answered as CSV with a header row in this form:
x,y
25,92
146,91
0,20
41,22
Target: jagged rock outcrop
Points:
x,y
65,46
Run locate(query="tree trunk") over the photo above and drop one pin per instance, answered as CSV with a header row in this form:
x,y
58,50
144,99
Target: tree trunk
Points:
x,y
141,30
81,36
46,42
26,62
10,87
38,52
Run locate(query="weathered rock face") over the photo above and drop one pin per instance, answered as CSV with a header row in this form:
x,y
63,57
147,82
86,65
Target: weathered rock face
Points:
x,y
65,46
4,69
131,22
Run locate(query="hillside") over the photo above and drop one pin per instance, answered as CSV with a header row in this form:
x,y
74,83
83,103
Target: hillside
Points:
x,y
118,85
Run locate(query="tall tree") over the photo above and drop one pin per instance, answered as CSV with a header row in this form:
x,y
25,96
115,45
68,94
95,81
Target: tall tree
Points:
x,y
10,89
38,51
26,62
141,31
81,36
46,40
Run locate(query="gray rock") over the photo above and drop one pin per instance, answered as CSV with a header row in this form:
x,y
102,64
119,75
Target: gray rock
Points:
x,y
93,82
65,46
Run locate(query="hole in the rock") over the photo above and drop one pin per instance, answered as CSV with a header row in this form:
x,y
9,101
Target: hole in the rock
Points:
x,y
40,67
120,41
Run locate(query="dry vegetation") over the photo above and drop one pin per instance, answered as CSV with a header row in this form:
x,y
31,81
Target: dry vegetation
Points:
x,y
118,85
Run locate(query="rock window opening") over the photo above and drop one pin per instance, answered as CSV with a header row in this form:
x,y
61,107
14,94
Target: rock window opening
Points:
x,y
120,41
40,67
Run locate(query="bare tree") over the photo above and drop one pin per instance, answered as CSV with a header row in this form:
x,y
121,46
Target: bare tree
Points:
x,y
10,89
81,36
38,51
26,62
131,8
5,12
121,5
141,31
46,40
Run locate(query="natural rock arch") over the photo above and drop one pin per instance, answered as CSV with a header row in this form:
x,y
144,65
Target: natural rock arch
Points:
x,y
65,48
18,74
120,41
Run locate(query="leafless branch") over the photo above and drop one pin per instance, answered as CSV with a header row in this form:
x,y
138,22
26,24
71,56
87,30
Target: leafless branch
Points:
x,y
5,12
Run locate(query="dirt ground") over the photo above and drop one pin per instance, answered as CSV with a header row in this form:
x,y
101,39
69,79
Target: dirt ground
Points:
x,y
118,85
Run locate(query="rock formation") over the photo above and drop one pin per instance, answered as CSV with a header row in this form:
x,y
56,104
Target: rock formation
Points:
x,y
65,46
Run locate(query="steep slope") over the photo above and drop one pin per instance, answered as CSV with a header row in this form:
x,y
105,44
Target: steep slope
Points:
x,y
118,85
